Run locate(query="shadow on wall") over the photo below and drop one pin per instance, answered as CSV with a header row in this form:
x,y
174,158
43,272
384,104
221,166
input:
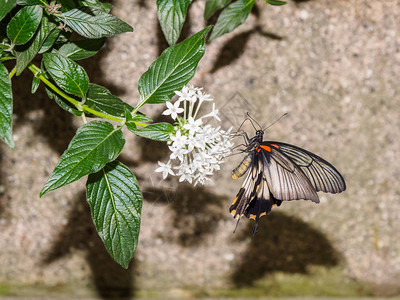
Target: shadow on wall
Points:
x,y
196,212
4,198
283,243
54,126
234,48
109,278
153,151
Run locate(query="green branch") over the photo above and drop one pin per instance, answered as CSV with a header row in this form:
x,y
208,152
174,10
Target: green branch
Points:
x,y
137,107
38,73
12,73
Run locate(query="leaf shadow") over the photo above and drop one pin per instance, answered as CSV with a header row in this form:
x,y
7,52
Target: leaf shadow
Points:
x,y
109,278
143,3
4,198
161,42
234,48
255,11
53,126
283,243
196,212
93,67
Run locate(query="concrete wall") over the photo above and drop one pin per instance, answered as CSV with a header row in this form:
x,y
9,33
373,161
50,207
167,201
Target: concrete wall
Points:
x,y
334,66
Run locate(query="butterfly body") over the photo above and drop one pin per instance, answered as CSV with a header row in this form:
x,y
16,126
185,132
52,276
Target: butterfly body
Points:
x,y
242,168
280,172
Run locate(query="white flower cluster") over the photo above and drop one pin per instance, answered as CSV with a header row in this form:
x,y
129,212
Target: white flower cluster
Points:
x,y
197,149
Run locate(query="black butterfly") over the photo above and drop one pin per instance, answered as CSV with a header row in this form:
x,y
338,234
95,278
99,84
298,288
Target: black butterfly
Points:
x,y
280,172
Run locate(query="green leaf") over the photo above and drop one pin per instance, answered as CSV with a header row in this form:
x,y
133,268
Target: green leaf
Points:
x,y
64,104
35,84
5,7
62,38
30,2
137,117
5,56
115,202
67,74
6,107
106,7
95,26
81,49
276,2
50,40
213,5
231,17
171,15
67,106
100,99
67,5
157,131
95,144
23,25
27,52
173,69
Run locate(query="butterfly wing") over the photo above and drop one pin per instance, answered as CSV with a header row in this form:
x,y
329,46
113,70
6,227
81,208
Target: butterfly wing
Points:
x,y
282,172
254,199
246,192
322,175
285,179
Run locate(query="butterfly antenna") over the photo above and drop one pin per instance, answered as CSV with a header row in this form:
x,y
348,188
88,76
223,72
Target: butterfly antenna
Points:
x,y
253,120
242,124
284,115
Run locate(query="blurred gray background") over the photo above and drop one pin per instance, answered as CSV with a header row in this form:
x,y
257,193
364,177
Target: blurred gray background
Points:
x,y
334,66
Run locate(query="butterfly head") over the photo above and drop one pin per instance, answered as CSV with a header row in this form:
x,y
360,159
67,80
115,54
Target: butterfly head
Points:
x,y
260,135
255,141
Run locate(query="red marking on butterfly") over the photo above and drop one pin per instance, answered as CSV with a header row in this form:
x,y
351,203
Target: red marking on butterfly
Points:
x,y
287,173
266,148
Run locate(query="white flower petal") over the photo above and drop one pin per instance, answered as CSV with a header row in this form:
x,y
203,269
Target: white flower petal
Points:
x,y
197,149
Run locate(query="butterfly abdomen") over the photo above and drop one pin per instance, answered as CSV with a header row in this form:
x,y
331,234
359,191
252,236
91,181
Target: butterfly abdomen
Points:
x,y
241,169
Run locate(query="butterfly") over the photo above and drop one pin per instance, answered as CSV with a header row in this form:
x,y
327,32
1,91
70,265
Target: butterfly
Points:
x,y
279,172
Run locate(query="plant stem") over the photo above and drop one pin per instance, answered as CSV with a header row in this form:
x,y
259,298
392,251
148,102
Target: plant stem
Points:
x,y
140,104
12,72
141,124
37,72
84,118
